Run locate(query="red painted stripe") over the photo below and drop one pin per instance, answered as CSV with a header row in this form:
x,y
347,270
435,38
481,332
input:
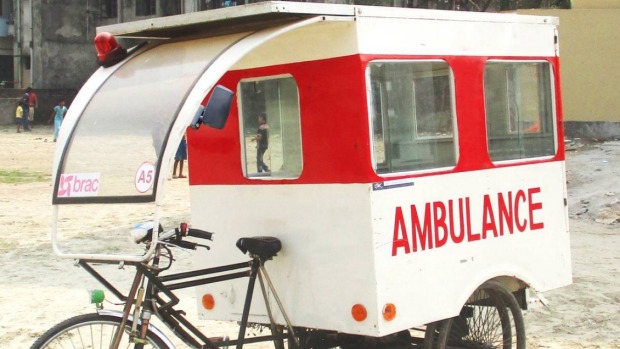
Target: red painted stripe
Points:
x,y
335,128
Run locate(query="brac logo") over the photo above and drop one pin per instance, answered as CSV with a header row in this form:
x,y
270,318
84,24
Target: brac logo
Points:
x,y
78,185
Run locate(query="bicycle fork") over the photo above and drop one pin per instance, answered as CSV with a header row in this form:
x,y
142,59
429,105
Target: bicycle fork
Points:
x,y
127,308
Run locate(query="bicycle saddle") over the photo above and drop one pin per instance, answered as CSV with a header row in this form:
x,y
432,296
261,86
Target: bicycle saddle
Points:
x,y
261,246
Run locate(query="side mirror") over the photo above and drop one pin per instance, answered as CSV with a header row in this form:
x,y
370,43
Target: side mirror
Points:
x,y
216,112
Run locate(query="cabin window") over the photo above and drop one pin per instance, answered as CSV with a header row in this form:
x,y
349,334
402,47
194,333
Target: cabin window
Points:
x,y
519,110
412,115
270,128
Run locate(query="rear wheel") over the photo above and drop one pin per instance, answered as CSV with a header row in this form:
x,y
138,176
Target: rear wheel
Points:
x,y
91,331
431,334
491,319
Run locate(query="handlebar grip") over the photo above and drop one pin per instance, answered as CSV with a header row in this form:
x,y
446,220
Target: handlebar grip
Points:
x,y
201,234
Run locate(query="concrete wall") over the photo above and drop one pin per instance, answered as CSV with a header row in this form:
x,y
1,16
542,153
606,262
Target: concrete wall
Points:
x,y
64,53
590,68
594,4
58,36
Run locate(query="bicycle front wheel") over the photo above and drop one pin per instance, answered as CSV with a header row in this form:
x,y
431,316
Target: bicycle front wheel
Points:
x,y
94,331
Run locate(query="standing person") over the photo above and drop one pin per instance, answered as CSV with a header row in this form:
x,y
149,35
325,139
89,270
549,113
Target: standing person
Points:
x,y
59,115
33,102
179,158
19,114
262,140
25,104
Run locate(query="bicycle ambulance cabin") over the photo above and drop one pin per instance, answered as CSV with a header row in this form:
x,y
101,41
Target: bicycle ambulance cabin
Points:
x,y
409,157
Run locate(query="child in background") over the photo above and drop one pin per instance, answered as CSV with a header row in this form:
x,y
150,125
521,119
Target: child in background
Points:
x,y
58,114
19,114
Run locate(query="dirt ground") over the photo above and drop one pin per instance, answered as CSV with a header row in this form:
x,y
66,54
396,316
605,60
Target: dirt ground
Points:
x,y
39,289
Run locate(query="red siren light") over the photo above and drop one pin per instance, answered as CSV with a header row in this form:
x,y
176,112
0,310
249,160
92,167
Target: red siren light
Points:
x,y
109,51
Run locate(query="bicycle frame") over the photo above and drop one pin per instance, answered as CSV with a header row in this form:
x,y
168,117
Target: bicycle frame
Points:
x,y
149,298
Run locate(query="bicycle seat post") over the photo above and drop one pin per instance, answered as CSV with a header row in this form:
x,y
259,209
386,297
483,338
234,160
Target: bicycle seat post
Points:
x,y
262,249
248,301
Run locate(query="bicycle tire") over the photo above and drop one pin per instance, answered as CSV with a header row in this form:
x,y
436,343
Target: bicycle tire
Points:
x,y
91,331
498,323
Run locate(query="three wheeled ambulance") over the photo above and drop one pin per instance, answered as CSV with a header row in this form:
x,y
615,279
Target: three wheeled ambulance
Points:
x,y
404,157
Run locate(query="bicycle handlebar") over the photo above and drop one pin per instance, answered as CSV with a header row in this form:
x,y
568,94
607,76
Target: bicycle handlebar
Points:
x,y
143,232
184,230
201,234
167,235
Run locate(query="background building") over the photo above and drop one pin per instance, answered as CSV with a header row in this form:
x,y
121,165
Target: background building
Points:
x,y
48,45
589,51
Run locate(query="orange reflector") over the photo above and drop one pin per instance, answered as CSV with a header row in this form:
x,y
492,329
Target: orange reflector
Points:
x,y
389,312
208,302
359,312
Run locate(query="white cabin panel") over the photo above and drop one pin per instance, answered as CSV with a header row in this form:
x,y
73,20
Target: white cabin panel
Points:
x,y
321,41
334,256
433,283
463,38
326,263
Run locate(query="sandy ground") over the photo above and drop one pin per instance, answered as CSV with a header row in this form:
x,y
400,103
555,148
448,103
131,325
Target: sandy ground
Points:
x,y
38,289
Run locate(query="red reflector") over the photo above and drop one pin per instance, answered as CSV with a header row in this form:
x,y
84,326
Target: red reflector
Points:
x,y
109,51
208,302
359,312
389,312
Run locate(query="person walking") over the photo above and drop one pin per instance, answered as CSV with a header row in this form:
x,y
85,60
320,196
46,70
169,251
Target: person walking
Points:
x,y
58,116
25,102
262,140
33,102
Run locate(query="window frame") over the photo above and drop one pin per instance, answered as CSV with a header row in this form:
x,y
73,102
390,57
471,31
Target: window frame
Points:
x,y
553,110
371,115
242,128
